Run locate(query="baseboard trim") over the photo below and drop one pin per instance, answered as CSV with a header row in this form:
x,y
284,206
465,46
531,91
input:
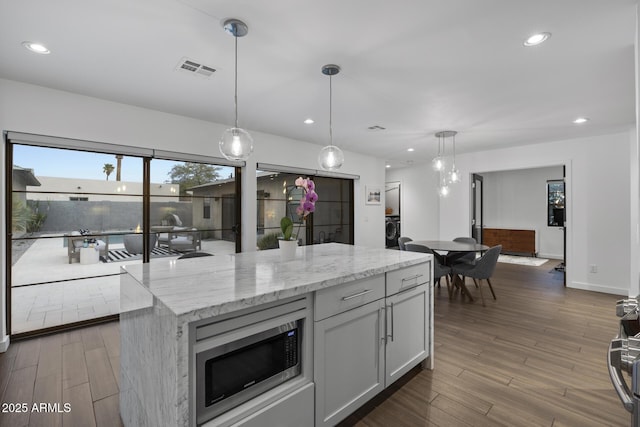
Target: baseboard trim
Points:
x,y
599,288
552,257
4,344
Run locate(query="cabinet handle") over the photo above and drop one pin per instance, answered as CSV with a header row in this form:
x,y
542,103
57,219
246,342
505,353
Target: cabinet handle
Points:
x,y
381,316
391,316
359,294
406,279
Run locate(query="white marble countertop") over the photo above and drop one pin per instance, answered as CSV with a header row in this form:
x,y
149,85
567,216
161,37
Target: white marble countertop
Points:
x,y
198,288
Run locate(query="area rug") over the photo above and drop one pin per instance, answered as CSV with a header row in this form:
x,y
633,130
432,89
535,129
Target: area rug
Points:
x,y
116,255
522,260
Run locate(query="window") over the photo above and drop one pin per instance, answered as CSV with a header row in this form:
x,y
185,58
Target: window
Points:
x,y
278,196
555,203
74,227
67,239
206,213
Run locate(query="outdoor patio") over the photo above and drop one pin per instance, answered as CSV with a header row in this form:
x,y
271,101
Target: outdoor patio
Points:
x,y
48,291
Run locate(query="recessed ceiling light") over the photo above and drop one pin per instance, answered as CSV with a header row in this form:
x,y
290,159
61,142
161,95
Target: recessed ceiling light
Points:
x,y
410,149
387,166
309,122
581,120
536,39
36,47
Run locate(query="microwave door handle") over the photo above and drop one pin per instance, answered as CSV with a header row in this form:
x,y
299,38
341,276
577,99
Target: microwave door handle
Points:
x,y
614,363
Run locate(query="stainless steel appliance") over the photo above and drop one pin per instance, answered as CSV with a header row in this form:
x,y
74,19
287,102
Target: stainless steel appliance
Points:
x,y
238,359
624,358
392,231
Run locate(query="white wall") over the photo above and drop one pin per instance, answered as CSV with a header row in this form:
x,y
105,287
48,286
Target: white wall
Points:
x,y
419,203
518,199
600,213
34,109
599,218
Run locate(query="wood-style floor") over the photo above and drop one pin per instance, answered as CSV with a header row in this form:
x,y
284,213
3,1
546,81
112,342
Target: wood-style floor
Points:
x,y
534,357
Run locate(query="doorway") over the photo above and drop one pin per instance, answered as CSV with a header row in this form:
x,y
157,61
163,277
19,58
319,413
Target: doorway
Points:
x,y
527,199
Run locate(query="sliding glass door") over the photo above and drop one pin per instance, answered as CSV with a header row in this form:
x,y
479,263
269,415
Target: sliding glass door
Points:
x,y
192,208
278,196
70,212
78,216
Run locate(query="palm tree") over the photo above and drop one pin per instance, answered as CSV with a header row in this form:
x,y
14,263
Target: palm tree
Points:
x,y
108,168
118,166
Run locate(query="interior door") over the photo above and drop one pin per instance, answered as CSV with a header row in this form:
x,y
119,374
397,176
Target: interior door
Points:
x,y
476,207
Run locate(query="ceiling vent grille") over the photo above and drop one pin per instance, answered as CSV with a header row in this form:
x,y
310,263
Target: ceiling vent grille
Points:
x,y
192,67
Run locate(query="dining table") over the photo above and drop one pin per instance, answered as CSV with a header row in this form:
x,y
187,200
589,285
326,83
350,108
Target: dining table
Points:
x,y
450,246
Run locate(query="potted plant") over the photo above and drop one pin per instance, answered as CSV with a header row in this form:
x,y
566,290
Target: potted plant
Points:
x,y
289,241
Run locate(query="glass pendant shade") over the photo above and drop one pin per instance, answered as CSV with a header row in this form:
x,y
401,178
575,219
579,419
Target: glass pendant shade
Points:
x,y
443,190
236,144
438,164
330,157
454,175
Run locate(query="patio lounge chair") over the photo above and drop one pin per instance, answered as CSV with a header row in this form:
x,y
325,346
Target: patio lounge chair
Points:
x,y
185,241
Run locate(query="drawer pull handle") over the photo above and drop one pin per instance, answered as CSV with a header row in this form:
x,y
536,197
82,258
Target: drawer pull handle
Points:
x,y
406,279
359,294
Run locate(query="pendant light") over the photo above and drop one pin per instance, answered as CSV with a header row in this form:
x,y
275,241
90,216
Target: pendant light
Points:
x,y
330,157
443,188
453,175
236,143
438,163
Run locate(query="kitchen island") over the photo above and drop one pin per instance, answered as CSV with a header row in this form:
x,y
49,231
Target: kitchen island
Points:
x,y
172,312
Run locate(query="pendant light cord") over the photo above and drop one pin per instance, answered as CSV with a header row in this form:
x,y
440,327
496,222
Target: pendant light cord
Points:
x,y
235,97
330,111
454,151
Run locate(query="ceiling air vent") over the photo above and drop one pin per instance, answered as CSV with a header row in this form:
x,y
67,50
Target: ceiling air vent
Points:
x,y
193,67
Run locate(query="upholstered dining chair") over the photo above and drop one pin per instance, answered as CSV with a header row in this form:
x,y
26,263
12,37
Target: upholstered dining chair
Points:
x,y
439,268
482,269
462,257
402,241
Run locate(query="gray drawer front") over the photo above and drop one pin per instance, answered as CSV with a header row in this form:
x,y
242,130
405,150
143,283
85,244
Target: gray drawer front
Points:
x,y
408,277
344,297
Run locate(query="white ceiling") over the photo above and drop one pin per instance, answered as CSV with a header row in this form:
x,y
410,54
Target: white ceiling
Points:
x,y
412,66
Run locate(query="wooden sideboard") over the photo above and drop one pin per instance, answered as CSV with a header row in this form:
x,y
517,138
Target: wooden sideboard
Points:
x,y
517,241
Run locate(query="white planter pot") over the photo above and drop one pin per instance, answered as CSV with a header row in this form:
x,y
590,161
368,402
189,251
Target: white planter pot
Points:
x,y
287,249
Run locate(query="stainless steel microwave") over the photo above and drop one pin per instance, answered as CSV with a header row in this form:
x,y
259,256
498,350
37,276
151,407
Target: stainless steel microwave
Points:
x,y
233,373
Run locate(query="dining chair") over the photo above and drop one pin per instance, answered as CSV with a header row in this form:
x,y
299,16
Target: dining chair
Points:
x,y
439,268
481,270
402,241
455,257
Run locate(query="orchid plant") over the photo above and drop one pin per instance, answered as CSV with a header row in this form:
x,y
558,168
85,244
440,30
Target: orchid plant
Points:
x,y
307,205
